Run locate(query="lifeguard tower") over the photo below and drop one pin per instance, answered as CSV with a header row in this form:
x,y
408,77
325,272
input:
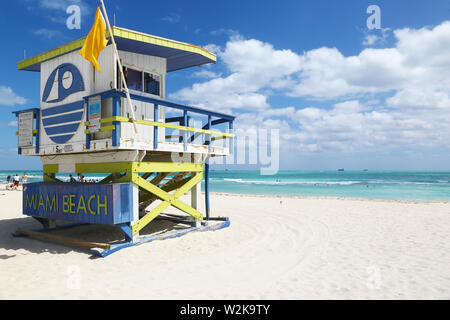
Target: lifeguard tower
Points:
x,y
84,126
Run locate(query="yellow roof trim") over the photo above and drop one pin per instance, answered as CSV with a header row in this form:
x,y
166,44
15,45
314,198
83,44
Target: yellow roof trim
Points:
x,y
148,38
118,32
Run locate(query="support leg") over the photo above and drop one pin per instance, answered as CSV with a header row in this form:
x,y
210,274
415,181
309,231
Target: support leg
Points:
x,y
195,200
46,223
207,188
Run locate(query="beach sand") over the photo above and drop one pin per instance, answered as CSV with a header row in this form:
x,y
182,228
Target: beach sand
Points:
x,y
275,248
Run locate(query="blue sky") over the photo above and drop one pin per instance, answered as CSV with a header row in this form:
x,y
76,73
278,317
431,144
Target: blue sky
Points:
x,y
340,94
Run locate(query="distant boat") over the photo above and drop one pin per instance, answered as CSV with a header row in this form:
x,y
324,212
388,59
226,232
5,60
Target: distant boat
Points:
x,y
366,170
340,169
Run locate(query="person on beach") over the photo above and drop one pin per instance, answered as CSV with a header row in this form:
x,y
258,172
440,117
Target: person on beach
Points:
x,y
79,178
72,179
24,178
8,179
16,181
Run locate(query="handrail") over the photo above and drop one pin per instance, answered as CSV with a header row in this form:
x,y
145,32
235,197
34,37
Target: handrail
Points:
x,y
160,124
135,95
183,121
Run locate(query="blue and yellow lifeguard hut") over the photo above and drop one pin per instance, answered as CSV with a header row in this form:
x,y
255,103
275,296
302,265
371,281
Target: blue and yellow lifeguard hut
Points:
x,y
85,125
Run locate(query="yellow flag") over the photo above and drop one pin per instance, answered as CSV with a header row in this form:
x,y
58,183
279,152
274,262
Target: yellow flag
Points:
x,y
95,41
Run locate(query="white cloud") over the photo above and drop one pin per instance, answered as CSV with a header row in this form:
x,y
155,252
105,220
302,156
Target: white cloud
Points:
x,y
63,4
206,74
172,18
376,37
55,10
8,124
420,58
223,31
213,48
378,99
254,66
46,33
370,39
9,98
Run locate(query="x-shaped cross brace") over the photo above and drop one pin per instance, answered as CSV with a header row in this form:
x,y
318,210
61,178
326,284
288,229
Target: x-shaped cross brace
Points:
x,y
167,198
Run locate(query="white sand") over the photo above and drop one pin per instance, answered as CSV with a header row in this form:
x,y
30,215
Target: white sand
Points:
x,y
275,248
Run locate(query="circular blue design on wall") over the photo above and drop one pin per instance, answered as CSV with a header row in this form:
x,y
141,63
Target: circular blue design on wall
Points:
x,y
62,121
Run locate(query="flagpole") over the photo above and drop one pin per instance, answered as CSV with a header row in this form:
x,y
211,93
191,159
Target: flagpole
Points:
x,y
116,53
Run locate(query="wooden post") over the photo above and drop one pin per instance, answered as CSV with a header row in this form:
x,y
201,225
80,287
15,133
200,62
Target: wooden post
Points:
x,y
116,53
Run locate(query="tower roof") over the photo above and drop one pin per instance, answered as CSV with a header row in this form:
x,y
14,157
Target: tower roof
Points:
x,y
179,55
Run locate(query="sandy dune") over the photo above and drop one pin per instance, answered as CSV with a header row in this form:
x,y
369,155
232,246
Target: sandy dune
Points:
x,y
275,248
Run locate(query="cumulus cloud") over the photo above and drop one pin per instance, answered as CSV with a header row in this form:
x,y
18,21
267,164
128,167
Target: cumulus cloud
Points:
x,y
56,10
254,66
204,73
419,58
46,33
223,31
380,98
376,37
9,124
62,5
172,18
9,98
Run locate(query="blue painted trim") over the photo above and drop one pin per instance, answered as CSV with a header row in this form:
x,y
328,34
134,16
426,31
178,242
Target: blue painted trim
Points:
x,y
155,128
105,94
126,229
74,106
231,143
38,127
196,134
225,222
185,123
208,136
35,110
176,58
112,204
223,118
36,116
68,128
143,97
206,127
219,121
116,132
174,119
71,117
62,139
187,120
88,135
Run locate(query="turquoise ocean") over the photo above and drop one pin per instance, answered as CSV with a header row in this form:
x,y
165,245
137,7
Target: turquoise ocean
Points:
x,y
392,185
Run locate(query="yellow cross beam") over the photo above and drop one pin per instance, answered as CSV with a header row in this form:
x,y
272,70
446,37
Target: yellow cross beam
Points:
x,y
168,199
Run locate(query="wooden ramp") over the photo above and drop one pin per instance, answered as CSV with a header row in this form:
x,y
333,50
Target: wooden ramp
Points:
x,y
105,249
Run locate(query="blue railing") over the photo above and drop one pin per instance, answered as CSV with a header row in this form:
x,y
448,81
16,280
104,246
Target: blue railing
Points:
x,y
184,120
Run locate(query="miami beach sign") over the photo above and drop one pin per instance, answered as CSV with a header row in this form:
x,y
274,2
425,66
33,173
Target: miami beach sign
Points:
x,y
81,202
